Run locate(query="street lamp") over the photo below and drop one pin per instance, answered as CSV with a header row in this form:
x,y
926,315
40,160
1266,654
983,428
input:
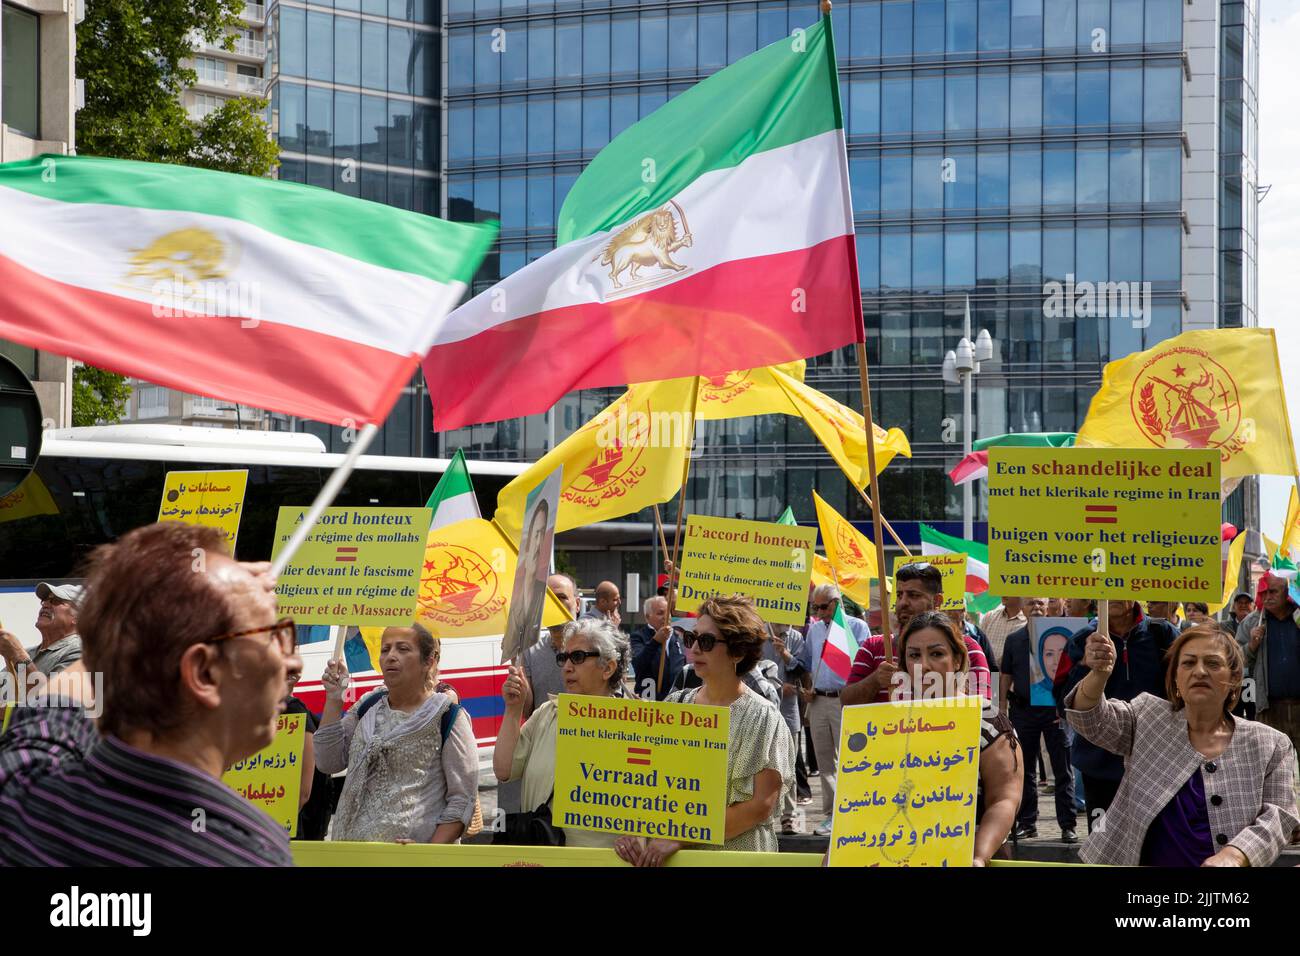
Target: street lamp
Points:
x,y
960,367
239,417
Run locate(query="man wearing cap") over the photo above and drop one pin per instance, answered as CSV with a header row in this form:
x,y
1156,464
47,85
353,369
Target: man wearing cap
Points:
x,y
57,621
1242,605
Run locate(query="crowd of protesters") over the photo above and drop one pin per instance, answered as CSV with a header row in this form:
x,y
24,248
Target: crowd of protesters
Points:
x,y
1141,719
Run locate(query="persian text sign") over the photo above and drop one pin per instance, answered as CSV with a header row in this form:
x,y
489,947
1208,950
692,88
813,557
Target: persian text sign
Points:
x,y
905,795
952,568
1104,523
642,767
771,563
358,566
271,779
212,498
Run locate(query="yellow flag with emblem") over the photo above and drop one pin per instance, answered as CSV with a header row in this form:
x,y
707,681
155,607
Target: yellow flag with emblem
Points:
x,y
741,394
1291,530
466,582
1212,388
1231,571
852,585
850,552
628,457
29,499
841,430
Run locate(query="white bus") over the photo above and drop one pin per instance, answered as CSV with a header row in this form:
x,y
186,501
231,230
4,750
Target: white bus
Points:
x,y
92,485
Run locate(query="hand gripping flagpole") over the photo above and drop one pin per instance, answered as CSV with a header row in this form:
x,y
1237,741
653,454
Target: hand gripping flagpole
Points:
x,y
329,491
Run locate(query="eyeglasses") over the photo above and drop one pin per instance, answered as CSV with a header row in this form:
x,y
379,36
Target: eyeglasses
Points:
x,y
282,630
705,641
576,656
823,607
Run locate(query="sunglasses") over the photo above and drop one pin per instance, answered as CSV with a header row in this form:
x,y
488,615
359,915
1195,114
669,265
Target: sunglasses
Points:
x,y
282,630
914,566
576,656
704,641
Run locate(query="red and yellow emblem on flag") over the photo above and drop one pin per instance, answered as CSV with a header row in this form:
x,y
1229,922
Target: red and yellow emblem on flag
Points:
x,y
1213,388
849,552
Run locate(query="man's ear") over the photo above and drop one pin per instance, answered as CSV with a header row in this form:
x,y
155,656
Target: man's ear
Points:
x,y
201,675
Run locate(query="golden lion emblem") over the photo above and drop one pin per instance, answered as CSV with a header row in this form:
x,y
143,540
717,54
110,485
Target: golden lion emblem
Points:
x,y
649,240
194,254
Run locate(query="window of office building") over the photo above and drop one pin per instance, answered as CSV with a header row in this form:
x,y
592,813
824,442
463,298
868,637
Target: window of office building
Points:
x,y
21,68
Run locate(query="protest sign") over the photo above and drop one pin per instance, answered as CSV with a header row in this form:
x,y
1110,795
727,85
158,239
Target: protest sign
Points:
x,y
770,563
321,853
211,498
528,596
951,567
642,767
905,795
272,778
1047,639
1104,523
358,565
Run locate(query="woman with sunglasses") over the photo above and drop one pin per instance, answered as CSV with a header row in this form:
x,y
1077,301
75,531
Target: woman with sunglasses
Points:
x,y
592,663
411,759
726,644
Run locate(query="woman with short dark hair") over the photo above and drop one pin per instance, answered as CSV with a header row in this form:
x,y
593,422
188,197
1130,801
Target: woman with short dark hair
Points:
x,y
1201,787
409,749
726,643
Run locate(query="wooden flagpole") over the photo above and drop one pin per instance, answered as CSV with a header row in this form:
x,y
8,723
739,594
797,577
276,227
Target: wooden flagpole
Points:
x,y
677,534
876,519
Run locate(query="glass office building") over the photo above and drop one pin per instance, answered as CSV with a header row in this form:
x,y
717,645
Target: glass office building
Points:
x,y
995,146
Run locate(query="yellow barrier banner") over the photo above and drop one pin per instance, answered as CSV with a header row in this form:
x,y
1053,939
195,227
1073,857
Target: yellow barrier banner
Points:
x,y
642,767
951,567
905,794
358,566
1104,523
214,499
312,853
768,562
271,779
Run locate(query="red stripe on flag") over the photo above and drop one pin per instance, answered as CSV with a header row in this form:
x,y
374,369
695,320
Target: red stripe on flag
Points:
x,y
836,659
277,367
973,466
735,315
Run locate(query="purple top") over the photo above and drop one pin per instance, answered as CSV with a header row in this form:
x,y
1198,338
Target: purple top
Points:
x,y
1180,833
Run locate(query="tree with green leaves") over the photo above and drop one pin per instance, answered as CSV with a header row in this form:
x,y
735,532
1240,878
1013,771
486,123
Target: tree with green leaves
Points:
x,y
129,53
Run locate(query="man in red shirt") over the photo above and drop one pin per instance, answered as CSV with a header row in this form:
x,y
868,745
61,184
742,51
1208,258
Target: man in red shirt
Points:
x,y
918,588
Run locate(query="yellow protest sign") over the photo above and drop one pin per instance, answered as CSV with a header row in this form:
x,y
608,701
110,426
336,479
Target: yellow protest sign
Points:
x,y
358,566
642,767
211,498
905,795
951,567
271,779
320,853
1104,523
769,562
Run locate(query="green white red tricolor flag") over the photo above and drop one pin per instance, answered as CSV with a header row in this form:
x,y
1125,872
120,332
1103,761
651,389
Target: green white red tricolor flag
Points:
x,y
977,565
840,646
277,295
453,497
715,234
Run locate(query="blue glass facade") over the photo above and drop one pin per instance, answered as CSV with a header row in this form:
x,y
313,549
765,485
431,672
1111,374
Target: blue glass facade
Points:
x,y
354,88
994,145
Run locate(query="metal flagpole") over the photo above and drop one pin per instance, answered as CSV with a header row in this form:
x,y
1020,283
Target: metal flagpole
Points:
x,y
329,491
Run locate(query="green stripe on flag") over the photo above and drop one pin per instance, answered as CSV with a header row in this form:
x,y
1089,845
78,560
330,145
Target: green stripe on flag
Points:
x,y
787,516
1025,440
454,481
784,93
371,232
980,552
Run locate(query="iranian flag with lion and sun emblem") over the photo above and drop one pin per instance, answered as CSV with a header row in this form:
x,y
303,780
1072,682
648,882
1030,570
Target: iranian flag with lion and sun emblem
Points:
x,y
715,234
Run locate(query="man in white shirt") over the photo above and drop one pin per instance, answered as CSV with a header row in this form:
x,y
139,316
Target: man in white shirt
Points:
x,y
824,698
1000,622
